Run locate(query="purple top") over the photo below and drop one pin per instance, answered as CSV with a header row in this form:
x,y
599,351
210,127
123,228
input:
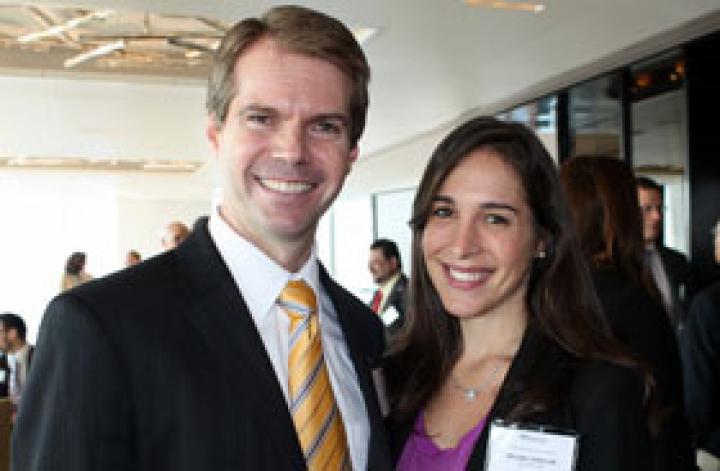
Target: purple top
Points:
x,y
422,454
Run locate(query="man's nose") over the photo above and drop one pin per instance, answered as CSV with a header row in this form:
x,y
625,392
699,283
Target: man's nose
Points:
x,y
289,143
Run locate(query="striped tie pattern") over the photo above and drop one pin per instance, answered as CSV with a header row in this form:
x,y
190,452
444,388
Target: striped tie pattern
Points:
x,y
317,419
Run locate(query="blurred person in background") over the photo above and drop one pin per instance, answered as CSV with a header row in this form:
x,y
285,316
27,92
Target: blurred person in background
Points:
x,y
19,354
175,233
132,258
75,273
603,204
385,265
700,346
669,268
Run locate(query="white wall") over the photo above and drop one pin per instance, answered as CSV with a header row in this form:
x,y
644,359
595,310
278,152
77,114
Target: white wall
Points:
x,y
100,119
46,216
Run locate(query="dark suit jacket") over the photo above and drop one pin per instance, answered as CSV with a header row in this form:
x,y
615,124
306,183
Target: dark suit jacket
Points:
x,y
677,270
5,369
700,342
641,325
160,368
603,403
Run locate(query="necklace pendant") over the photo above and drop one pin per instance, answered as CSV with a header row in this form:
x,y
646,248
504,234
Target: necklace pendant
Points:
x,y
471,394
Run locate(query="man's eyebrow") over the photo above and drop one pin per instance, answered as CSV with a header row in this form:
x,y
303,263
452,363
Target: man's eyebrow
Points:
x,y
256,108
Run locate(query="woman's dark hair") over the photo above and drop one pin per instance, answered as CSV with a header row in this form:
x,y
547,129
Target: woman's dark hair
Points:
x,y
75,263
561,299
602,196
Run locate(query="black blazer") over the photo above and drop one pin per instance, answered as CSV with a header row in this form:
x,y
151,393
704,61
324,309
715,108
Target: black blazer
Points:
x,y
160,368
603,403
700,342
641,325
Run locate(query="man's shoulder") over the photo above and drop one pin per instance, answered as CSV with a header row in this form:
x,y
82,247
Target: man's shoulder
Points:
x,y
149,275
709,296
672,254
131,294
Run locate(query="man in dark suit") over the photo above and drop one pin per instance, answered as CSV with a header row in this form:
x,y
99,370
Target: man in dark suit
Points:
x,y
4,367
18,355
670,269
700,347
385,266
188,361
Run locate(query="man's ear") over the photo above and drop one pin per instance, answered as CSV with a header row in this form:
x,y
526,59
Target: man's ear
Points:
x,y
354,152
212,132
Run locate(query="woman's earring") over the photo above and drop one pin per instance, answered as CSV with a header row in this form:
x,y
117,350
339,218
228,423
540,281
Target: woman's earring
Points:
x,y
541,254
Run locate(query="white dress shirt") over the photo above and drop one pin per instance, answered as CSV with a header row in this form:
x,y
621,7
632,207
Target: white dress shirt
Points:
x,y
260,281
17,364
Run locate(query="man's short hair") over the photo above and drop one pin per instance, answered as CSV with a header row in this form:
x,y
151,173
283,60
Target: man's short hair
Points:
x,y
298,30
13,321
389,249
648,184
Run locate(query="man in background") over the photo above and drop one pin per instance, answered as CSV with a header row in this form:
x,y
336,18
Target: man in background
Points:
x,y
669,268
4,368
386,268
700,349
132,258
19,354
175,233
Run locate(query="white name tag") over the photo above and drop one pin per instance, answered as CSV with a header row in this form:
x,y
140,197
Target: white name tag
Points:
x,y
2,376
389,316
513,447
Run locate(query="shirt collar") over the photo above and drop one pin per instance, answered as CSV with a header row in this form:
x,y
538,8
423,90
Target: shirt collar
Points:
x,y
258,277
390,282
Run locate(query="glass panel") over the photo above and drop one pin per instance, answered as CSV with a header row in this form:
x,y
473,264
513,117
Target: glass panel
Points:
x,y
352,234
659,138
594,109
392,213
541,117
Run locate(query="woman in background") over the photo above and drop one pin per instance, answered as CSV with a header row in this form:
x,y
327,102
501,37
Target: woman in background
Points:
x,y
503,322
74,271
603,202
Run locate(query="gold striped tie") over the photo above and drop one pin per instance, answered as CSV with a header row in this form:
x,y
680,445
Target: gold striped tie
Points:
x,y
317,419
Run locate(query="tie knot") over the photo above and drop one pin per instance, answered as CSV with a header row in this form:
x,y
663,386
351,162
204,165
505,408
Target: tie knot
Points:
x,y
298,298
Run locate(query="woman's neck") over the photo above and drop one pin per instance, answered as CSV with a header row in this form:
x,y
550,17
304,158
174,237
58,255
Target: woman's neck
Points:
x,y
497,335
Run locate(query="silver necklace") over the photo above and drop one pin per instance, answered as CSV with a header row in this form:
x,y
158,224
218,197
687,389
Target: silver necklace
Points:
x,y
472,394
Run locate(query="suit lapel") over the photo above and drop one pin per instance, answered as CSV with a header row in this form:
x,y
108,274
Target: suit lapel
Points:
x,y
364,356
221,316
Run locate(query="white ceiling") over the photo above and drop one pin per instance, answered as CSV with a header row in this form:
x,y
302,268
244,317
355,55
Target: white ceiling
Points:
x,y
436,60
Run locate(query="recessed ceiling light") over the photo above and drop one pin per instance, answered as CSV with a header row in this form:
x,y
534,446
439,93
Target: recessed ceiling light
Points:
x,y
508,5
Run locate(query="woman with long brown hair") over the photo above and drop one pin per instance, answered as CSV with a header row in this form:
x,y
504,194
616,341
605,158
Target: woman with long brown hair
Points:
x,y
503,322
603,202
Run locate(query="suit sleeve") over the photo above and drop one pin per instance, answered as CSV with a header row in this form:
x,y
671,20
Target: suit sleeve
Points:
x,y
74,415
612,421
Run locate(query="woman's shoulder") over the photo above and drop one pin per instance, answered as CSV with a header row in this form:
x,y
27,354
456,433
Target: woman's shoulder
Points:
x,y
602,387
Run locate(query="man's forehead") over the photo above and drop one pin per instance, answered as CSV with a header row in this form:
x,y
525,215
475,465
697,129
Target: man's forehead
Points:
x,y
648,193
